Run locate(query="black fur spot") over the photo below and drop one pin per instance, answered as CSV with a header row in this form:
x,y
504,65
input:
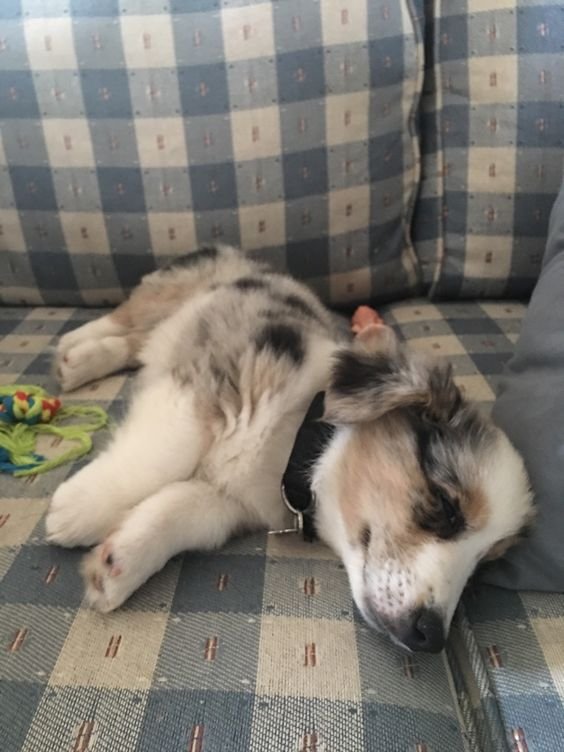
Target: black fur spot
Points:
x,y
282,340
193,259
446,398
297,303
271,314
466,429
365,537
250,283
427,434
355,373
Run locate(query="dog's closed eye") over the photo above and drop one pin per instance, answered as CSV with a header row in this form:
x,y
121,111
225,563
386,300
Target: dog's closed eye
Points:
x,y
451,512
442,516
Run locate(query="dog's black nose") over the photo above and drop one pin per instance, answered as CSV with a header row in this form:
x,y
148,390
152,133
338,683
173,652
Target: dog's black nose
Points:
x,y
423,630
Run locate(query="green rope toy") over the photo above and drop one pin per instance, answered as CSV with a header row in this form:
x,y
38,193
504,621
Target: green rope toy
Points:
x,y
26,412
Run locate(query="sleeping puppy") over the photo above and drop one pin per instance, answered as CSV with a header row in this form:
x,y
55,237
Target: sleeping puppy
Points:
x,y
412,486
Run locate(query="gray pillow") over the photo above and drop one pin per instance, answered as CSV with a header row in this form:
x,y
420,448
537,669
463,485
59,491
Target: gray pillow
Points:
x,y
530,409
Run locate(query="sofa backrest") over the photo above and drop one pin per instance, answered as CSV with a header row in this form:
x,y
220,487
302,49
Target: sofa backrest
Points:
x,y
136,131
492,129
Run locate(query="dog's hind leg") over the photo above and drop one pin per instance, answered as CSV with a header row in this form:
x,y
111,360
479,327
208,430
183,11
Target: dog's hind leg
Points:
x,y
114,341
181,516
105,345
161,441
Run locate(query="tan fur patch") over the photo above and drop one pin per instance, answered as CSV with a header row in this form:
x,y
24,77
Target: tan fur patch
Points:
x,y
475,508
380,476
150,303
375,488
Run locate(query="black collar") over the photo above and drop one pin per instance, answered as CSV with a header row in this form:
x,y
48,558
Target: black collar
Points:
x,y
312,438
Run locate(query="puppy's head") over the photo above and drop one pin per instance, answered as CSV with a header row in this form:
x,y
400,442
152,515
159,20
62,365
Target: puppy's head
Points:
x,y
424,488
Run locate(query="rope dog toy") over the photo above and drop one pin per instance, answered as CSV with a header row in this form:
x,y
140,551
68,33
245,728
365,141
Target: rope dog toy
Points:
x,y
27,412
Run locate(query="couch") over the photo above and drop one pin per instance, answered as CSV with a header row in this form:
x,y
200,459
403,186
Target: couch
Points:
x,y
405,154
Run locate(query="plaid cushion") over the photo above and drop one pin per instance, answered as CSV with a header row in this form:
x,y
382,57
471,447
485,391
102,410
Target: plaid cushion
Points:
x,y
257,646
491,125
132,132
506,655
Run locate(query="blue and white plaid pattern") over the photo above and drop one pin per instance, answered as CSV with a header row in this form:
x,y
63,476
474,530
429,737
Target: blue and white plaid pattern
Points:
x,y
507,656
491,125
135,130
257,646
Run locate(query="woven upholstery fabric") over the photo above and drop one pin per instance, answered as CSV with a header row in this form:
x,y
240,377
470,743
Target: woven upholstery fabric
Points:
x,y
492,119
134,131
510,651
258,645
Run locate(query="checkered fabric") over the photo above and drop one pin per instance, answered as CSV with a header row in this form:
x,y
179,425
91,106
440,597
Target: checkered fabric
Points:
x,y
492,119
258,646
136,130
513,648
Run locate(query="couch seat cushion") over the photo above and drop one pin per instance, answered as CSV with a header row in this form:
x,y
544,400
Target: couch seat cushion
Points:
x,y
58,679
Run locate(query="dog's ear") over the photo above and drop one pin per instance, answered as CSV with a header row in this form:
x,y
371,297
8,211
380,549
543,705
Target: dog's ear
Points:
x,y
368,382
376,339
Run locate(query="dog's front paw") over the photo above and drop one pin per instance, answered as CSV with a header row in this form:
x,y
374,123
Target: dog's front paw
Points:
x,y
111,573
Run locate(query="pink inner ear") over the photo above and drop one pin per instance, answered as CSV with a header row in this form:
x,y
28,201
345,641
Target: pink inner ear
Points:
x,y
363,318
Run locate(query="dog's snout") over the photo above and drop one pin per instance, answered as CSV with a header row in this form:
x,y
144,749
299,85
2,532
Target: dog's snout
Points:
x,y
424,630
